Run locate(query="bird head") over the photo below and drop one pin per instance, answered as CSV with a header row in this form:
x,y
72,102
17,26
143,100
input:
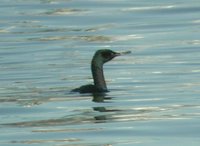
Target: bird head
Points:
x,y
104,55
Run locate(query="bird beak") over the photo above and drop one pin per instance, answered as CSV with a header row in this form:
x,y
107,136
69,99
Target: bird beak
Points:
x,y
122,53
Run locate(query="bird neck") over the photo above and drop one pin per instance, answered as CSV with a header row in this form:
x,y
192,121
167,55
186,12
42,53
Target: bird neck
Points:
x,y
98,75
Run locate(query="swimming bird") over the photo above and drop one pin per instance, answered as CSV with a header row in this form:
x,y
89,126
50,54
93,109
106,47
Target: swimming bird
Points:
x,y
99,58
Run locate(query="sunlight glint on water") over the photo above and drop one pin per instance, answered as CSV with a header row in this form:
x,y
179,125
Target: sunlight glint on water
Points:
x,y
45,52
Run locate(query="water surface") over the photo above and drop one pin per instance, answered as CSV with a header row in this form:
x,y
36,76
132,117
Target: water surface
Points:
x,y
46,48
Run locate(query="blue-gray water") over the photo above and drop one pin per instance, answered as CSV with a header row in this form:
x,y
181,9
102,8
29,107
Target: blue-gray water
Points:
x,y
45,51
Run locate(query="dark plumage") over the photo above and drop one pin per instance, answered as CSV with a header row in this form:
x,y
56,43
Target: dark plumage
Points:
x,y
99,58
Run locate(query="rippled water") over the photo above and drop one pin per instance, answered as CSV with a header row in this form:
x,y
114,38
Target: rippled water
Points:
x,y
46,48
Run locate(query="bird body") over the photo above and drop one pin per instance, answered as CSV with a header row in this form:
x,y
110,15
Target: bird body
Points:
x,y
89,89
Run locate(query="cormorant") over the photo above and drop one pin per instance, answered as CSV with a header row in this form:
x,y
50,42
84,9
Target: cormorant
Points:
x,y
99,58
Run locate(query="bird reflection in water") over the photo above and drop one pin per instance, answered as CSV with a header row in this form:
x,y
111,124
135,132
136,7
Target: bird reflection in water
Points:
x,y
103,98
